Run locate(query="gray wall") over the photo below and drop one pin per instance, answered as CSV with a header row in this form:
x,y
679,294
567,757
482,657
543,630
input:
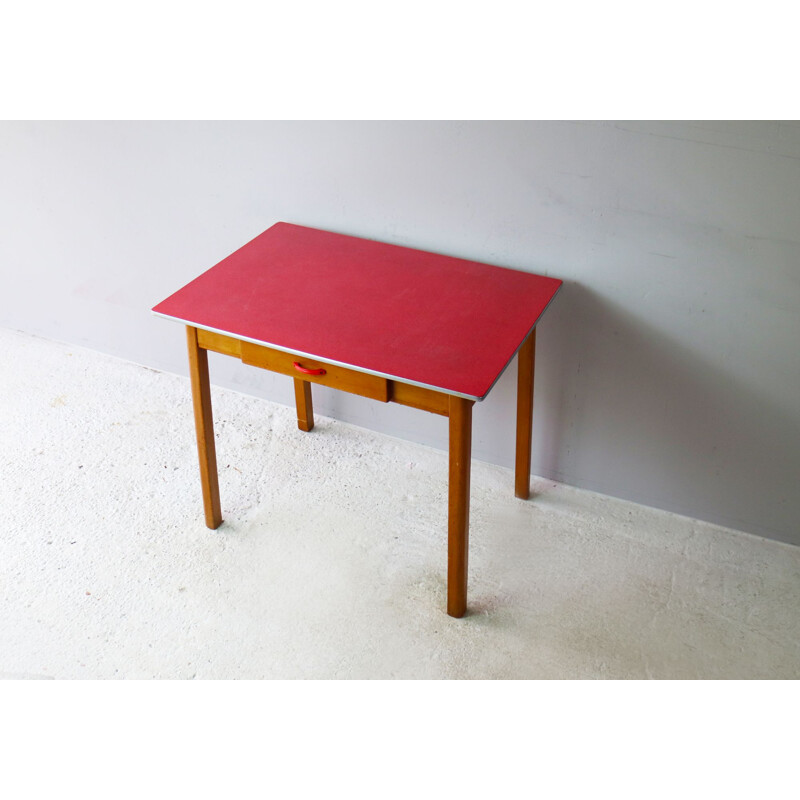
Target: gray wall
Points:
x,y
668,368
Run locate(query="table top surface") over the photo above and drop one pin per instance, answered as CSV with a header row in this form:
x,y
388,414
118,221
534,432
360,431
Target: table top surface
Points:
x,y
423,318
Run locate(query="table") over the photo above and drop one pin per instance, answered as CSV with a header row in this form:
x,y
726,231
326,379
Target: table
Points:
x,y
387,322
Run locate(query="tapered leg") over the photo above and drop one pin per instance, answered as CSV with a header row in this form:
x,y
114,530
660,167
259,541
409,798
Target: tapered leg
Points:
x,y
526,359
458,505
305,406
204,427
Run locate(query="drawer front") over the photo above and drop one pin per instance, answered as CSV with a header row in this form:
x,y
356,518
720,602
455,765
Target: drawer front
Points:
x,y
347,380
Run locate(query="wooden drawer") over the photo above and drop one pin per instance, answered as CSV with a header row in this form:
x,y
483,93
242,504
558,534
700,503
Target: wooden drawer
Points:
x,y
348,380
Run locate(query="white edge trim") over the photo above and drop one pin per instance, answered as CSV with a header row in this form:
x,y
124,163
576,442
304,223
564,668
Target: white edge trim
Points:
x,y
303,354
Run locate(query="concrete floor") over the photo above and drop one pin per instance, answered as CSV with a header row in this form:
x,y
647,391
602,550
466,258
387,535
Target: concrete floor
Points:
x,y
331,561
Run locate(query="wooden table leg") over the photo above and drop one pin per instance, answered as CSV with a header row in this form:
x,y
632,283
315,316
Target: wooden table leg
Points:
x,y
526,359
204,427
458,505
305,406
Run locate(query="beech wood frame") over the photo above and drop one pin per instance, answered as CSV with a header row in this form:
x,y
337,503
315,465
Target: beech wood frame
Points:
x,y
457,409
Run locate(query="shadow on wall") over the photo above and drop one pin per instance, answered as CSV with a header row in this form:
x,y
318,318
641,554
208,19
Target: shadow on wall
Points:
x,y
662,424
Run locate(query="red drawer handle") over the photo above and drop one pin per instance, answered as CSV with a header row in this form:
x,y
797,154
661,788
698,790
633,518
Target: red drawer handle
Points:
x,y
301,368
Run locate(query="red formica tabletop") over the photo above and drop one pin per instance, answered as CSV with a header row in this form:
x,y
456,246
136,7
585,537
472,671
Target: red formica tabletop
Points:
x,y
404,314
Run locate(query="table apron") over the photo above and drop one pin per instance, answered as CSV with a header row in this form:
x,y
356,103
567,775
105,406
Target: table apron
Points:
x,y
337,377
